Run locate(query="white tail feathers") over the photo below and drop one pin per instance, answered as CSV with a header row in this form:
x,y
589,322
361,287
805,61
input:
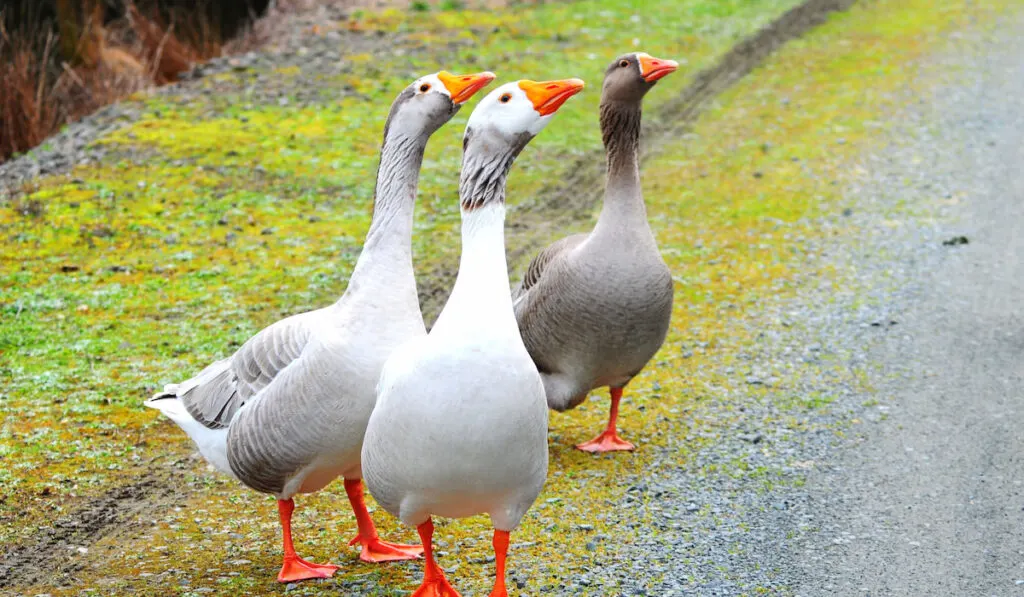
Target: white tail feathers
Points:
x,y
212,443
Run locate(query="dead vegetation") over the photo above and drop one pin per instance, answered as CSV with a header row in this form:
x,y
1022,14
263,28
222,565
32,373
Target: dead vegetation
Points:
x,y
56,68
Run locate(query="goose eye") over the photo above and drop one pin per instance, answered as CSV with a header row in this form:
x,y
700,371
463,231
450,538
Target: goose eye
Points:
x,y
425,87
624,63
505,98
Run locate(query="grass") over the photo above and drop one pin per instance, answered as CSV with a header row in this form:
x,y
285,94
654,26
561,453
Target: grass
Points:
x,y
136,272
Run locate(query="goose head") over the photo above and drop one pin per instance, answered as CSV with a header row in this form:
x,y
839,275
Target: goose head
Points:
x,y
430,101
499,128
514,113
630,76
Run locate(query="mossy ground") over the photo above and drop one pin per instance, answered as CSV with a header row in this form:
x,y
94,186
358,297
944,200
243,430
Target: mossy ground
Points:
x,y
129,274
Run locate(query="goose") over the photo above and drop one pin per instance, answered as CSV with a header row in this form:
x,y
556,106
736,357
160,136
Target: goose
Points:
x,y
594,308
460,425
286,413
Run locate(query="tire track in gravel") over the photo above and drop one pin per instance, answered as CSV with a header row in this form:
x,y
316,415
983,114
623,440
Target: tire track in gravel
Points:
x,y
557,206
49,559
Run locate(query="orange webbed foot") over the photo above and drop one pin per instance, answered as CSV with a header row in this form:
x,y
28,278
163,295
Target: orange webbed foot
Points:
x,y
376,551
295,569
436,587
606,442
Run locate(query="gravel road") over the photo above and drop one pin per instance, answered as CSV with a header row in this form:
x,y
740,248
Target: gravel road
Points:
x,y
910,483
931,502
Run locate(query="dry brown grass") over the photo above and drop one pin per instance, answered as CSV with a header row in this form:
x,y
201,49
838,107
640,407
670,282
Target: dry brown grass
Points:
x,y
48,78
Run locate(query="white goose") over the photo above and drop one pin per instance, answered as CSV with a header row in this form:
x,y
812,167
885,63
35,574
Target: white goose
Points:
x,y
460,426
286,414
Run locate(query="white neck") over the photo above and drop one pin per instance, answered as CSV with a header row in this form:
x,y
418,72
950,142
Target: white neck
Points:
x,y
480,298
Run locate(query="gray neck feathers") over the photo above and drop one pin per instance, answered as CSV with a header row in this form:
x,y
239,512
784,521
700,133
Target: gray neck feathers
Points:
x,y
395,196
485,168
620,131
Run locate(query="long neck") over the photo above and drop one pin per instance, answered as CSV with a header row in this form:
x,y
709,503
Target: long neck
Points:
x,y
482,263
620,130
480,297
483,176
388,244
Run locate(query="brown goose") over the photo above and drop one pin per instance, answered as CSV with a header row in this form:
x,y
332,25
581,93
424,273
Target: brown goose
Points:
x,y
594,308
287,412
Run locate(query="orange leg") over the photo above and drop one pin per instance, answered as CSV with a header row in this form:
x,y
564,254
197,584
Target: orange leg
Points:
x,y
609,440
295,568
434,582
374,550
500,551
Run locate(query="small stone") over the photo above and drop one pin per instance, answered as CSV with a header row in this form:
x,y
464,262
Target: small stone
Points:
x,y
268,231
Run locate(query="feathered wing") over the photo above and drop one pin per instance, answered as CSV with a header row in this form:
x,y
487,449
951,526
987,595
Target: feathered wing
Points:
x,y
536,268
214,396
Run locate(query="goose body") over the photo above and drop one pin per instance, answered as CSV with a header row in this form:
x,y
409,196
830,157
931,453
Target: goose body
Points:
x,y
594,308
461,423
287,412
460,426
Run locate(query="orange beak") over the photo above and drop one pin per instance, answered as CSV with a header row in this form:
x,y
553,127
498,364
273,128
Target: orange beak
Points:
x,y
652,69
548,96
462,87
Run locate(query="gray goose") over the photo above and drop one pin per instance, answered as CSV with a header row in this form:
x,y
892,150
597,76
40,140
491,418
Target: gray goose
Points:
x,y
287,412
460,426
594,308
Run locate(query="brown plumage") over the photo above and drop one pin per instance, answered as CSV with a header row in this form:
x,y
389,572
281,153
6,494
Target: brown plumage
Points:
x,y
594,308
